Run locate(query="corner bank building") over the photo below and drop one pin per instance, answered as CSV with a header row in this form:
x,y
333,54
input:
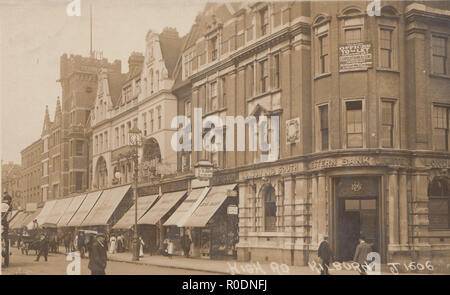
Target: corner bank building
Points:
x,y
364,108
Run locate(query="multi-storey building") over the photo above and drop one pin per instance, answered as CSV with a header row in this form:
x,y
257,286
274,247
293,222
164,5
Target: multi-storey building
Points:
x,y
11,179
78,78
31,173
361,148
140,98
51,177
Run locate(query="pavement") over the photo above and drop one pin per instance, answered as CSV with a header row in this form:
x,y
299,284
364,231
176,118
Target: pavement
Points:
x,y
225,266
57,264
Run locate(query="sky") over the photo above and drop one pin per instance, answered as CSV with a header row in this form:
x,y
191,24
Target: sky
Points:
x,y
35,33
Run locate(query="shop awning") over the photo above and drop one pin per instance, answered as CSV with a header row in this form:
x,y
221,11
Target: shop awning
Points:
x,y
85,208
28,221
46,211
70,211
58,210
162,207
144,203
212,202
179,217
106,206
13,215
18,220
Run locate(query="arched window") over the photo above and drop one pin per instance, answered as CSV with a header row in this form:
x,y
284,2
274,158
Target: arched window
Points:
x,y
439,203
151,81
157,80
270,208
101,173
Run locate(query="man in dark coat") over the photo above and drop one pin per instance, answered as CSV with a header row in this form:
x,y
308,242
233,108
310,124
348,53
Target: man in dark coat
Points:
x,y
97,255
361,252
43,247
325,254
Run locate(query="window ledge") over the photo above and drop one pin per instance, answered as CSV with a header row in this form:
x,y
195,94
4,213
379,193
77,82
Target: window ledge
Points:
x,y
388,70
322,76
440,76
269,92
214,112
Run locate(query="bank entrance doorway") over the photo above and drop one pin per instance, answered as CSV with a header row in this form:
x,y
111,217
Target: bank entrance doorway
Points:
x,y
356,214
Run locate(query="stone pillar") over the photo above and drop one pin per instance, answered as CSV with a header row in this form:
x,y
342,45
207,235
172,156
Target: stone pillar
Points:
x,y
244,221
393,210
302,218
322,207
314,211
289,204
419,210
403,210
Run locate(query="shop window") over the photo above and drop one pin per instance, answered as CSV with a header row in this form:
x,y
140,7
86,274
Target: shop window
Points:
x,y
270,209
323,114
441,122
439,203
354,124
387,124
439,55
386,48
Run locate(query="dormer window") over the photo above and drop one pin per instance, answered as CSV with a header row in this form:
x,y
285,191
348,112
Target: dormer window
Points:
x,y
127,93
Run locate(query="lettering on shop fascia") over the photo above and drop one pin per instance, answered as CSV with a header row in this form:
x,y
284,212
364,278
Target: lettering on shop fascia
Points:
x,y
270,171
342,162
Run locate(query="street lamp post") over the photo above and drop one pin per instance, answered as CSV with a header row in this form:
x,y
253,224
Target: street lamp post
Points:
x,y
135,138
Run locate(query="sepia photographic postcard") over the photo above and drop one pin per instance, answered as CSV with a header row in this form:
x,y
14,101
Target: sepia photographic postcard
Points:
x,y
270,138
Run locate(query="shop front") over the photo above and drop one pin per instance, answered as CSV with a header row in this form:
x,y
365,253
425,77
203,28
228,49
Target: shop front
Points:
x,y
214,224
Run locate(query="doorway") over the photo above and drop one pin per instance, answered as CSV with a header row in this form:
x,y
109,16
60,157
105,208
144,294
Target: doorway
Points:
x,y
357,212
356,217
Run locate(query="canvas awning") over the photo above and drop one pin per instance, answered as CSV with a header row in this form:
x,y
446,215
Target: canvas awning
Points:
x,y
70,211
58,210
106,206
18,220
144,203
162,207
28,221
85,208
179,217
212,202
46,211
13,214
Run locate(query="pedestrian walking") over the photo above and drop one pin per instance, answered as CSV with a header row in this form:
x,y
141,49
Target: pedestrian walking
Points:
x,y
120,243
186,242
141,247
326,255
43,248
361,252
98,255
170,248
112,245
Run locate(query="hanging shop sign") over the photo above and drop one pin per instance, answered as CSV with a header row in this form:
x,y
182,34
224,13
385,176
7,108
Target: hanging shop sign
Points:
x,y
355,57
232,210
204,170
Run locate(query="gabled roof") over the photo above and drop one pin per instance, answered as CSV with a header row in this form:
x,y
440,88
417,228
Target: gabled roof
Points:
x,y
171,45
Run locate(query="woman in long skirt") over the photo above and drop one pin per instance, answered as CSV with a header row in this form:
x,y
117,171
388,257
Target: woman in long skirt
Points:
x,y
112,248
141,247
